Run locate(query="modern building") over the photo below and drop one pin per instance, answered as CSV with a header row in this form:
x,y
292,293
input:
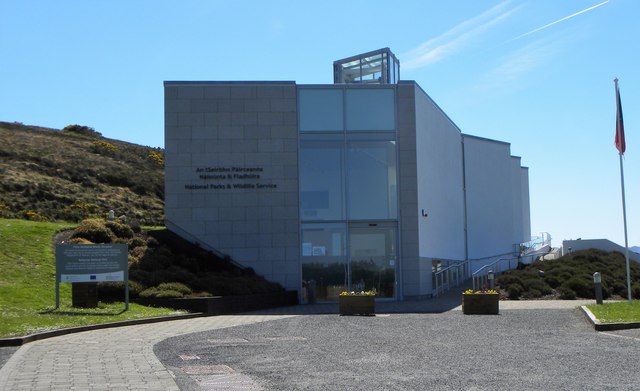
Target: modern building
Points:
x,y
361,184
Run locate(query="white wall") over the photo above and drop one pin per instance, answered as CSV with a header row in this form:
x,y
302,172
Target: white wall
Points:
x,y
518,210
440,182
490,198
526,208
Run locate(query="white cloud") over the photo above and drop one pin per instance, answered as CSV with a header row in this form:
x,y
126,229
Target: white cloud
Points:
x,y
514,67
450,42
558,21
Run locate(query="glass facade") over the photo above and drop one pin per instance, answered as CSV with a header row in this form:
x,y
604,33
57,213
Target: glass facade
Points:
x,y
348,190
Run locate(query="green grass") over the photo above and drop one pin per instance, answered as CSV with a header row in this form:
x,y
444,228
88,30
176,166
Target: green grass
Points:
x,y
27,285
616,312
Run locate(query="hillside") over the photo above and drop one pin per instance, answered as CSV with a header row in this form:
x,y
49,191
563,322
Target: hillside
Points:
x,y
571,277
75,173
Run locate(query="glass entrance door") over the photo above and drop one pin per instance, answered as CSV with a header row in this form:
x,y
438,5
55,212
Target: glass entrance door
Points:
x,y
372,258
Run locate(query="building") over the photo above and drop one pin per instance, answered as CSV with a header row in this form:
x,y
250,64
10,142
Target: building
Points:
x,y
361,184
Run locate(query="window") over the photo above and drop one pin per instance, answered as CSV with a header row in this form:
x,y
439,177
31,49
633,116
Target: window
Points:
x,y
320,110
370,109
371,179
321,178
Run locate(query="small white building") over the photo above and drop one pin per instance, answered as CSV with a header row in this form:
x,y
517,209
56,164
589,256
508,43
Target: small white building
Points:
x,y
361,184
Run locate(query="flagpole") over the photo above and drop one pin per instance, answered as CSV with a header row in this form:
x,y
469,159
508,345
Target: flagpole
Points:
x,y
626,242
624,204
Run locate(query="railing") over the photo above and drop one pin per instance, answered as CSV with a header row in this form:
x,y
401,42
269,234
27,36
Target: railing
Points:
x,y
534,244
450,276
481,276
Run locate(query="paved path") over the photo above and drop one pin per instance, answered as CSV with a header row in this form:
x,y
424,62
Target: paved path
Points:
x,y
123,358
109,359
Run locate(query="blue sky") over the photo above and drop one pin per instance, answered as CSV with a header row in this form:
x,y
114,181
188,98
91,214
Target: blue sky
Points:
x,y
538,74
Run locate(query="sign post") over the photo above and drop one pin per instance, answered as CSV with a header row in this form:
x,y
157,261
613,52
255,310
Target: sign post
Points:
x,y
92,263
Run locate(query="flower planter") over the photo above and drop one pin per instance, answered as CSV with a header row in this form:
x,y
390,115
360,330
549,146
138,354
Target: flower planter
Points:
x,y
357,305
480,303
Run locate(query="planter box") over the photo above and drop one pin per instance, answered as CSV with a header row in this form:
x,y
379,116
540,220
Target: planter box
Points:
x,y
480,304
357,305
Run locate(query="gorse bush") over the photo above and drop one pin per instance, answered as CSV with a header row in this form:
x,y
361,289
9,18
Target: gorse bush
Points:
x,y
93,230
81,130
119,230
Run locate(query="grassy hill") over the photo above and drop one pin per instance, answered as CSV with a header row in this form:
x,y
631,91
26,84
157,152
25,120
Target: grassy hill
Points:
x,y
571,277
75,173
27,285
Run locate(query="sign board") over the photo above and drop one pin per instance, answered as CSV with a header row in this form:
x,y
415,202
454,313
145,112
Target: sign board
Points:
x,y
92,263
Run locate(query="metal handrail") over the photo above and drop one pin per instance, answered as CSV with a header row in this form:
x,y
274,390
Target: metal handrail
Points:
x,y
481,277
450,276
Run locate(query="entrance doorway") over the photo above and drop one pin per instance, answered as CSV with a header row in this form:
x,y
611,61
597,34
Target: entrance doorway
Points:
x,y
372,258
352,257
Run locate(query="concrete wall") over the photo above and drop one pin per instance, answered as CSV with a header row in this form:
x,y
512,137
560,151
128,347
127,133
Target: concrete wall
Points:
x,y
231,170
490,198
413,273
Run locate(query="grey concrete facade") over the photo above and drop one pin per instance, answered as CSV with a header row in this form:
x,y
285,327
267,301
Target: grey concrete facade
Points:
x,y
233,166
231,177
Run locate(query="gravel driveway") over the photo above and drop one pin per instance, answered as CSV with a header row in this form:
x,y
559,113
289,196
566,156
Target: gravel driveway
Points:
x,y
543,349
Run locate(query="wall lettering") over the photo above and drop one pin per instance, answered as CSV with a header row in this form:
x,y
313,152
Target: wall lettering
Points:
x,y
231,177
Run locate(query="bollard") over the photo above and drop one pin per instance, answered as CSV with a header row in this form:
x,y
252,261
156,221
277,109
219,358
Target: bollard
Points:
x,y
490,277
597,281
311,292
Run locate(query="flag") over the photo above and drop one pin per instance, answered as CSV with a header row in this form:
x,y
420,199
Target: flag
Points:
x,y
620,144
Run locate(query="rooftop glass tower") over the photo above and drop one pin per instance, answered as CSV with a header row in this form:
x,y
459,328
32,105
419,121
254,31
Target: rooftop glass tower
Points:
x,y
376,67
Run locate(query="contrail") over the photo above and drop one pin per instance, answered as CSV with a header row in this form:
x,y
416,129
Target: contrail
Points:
x,y
558,21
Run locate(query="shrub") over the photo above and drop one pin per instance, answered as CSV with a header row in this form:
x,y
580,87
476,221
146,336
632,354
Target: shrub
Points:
x,y
553,281
169,295
115,290
101,146
154,292
635,291
119,230
538,285
152,242
515,291
135,226
136,242
93,230
581,286
34,216
79,241
83,130
156,157
175,286
531,294
566,293
507,279
149,293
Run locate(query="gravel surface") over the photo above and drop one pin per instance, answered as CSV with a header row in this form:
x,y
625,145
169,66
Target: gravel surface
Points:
x,y
5,354
551,349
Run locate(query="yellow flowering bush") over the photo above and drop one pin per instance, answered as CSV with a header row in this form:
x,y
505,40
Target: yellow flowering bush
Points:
x,y
371,292
484,291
